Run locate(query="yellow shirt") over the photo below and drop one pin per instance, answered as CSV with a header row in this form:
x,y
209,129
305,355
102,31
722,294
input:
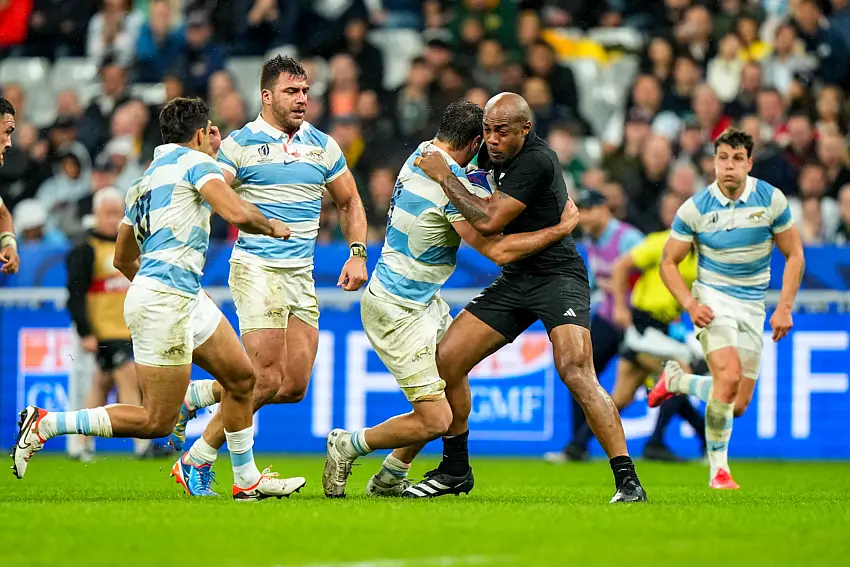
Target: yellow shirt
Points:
x,y
650,294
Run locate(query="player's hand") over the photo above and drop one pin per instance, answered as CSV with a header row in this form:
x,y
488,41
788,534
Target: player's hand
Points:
x,y
433,164
89,343
569,217
280,229
701,315
781,322
353,274
622,316
215,139
9,259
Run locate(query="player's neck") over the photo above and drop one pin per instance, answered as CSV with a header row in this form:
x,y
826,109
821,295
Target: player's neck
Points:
x,y
456,155
733,195
269,119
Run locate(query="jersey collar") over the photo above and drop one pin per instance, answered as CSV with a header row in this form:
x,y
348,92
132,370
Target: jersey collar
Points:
x,y
449,159
724,200
262,126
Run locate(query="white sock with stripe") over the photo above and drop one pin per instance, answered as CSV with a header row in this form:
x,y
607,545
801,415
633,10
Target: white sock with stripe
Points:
x,y
201,453
718,430
691,385
393,471
200,394
240,444
92,422
354,445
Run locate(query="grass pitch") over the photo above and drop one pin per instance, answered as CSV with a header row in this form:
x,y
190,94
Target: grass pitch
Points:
x,y
121,512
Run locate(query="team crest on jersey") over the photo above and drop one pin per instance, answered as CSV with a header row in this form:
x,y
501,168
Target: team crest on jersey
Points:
x,y
317,154
756,217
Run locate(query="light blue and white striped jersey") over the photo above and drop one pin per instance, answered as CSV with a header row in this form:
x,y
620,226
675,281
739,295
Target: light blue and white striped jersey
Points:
x,y
171,220
285,177
734,239
420,249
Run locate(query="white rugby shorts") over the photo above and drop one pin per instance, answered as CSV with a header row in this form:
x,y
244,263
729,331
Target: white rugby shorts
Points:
x,y
167,327
265,297
405,339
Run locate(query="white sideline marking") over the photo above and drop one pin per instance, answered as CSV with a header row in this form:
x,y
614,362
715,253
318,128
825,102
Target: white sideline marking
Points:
x,y
444,561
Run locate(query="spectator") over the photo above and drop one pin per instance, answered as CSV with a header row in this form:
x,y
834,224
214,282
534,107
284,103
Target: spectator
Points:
x,y
677,97
771,112
495,17
15,15
658,60
113,93
709,112
347,133
832,154
31,225
230,114
263,24
450,86
160,43
800,98
413,109
487,72
400,14
616,198
801,142
68,104
103,175
71,181
528,29
646,95
769,163
438,55
831,114
202,56
842,233
645,190
623,165
540,62
752,48
378,128
513,75
823,42
562,140
114,33
745,101
323,20
822,222
20,176
477,95
692,143
344,87
693,34
381,183
788,58
14,93
221,84
58,29
730,12
724,71
684,180
366,57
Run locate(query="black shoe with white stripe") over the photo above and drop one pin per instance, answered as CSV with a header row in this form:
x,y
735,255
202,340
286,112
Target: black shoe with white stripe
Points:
x,y
629,492
436,484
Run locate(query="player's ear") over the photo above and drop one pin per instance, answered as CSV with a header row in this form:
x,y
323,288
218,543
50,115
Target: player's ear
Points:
x,y
266,96
526,128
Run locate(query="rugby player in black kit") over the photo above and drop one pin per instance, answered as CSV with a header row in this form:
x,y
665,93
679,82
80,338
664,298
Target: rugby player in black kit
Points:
x,y
551,286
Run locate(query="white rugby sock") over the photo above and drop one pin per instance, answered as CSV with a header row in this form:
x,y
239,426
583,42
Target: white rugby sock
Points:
x,y
200,394
140,446
393,471
691,385
91,422
353,445
240,444
201,453
718,430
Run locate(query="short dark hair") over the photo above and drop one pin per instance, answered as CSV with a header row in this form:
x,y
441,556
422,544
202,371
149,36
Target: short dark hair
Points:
x,y
735,139
461,124
6,107
181,118
277,65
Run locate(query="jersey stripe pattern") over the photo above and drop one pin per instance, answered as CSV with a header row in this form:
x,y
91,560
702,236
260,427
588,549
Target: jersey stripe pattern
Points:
x,y
734,239
170,219
420,249
285,177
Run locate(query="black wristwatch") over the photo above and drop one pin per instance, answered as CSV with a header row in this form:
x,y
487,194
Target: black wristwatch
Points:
x,y
358,249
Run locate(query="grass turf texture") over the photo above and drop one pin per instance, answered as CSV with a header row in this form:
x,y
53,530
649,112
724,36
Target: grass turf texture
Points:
x,y
122,512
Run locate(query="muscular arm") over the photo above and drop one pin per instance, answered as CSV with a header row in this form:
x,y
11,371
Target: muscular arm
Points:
x,y
352,215
675,251
788,242
6,220
234,209
80,274
503,249
127,252
488,216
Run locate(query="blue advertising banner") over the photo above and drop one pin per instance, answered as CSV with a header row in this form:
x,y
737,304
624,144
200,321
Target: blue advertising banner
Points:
x,y
519,405
827,267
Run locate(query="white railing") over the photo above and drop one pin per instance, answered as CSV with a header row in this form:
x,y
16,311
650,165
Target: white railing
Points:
x,y
811,300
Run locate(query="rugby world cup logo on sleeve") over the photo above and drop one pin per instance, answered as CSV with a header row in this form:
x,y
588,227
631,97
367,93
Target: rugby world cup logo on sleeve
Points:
x,y
513,391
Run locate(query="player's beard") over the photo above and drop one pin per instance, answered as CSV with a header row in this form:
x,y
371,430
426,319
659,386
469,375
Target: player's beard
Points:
x,y
285,120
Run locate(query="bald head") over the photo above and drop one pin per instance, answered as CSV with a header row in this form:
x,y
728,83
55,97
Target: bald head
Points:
x,y
507,121
510,106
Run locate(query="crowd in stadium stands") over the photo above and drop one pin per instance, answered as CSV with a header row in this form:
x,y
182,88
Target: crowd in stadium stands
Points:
x,y
779,69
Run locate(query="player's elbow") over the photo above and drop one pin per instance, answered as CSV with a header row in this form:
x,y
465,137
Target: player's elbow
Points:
x,y
499,257
486,227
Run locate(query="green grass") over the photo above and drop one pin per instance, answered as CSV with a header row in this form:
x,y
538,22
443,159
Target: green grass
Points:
x,y
120,512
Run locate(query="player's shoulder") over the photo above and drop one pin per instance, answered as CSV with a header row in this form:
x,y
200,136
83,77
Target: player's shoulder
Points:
x,y
763,193
311,135
249,135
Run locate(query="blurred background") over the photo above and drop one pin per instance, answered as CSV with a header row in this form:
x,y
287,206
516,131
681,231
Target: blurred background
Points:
x,y
629,93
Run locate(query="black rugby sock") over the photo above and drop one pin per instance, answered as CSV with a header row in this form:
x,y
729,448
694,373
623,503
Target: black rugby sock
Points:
x,y
455,455
623,468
